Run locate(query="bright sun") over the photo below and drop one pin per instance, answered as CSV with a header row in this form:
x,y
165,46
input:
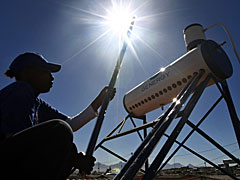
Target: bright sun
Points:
x,y
119,20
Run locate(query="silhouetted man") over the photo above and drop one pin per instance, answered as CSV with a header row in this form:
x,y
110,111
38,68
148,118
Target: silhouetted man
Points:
x,y
36,140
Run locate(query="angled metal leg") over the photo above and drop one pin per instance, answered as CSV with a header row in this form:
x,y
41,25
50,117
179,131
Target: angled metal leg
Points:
x,y
187,137
232,110
113,153
140,136
116,155
97,146
206,160
211,140
150,174
145,135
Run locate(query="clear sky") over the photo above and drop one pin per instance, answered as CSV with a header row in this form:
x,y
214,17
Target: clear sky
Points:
x,y
72,33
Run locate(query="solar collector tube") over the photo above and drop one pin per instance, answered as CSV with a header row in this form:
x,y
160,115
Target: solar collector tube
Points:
x,y
160,89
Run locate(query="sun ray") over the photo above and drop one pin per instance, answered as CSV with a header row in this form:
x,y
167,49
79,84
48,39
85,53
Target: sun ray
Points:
x,y
129,4
153,50
101,20
106,9
141,28
84,11
146,44
159,14
136,56
88,45
139,7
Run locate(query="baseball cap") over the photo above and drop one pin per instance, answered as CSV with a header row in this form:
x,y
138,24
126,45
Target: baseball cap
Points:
x,y
31,59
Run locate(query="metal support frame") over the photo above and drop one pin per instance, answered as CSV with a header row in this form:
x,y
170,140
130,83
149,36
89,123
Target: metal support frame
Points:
x,y
188,136
160,125
119,127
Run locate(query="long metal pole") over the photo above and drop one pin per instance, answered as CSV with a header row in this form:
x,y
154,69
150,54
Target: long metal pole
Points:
x,y
98,125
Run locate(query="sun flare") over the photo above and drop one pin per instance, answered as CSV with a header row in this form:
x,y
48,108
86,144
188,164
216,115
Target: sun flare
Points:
x,y
119,20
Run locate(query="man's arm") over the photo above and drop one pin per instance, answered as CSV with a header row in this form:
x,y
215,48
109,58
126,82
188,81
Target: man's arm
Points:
x,y
78,121
90,112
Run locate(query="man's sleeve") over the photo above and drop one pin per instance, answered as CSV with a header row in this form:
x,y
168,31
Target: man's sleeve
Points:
x,y
47,112
82,118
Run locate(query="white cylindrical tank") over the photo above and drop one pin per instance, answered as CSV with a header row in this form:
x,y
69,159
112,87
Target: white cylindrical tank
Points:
x,y
163,86
193,35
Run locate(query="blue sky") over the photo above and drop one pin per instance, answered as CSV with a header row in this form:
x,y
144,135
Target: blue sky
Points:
x,y
64,33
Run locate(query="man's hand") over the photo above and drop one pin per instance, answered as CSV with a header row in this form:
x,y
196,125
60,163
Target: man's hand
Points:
x,y
99,99
85,163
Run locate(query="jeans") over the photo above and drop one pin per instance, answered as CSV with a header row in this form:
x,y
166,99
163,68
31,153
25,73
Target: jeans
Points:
x,y
45,151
